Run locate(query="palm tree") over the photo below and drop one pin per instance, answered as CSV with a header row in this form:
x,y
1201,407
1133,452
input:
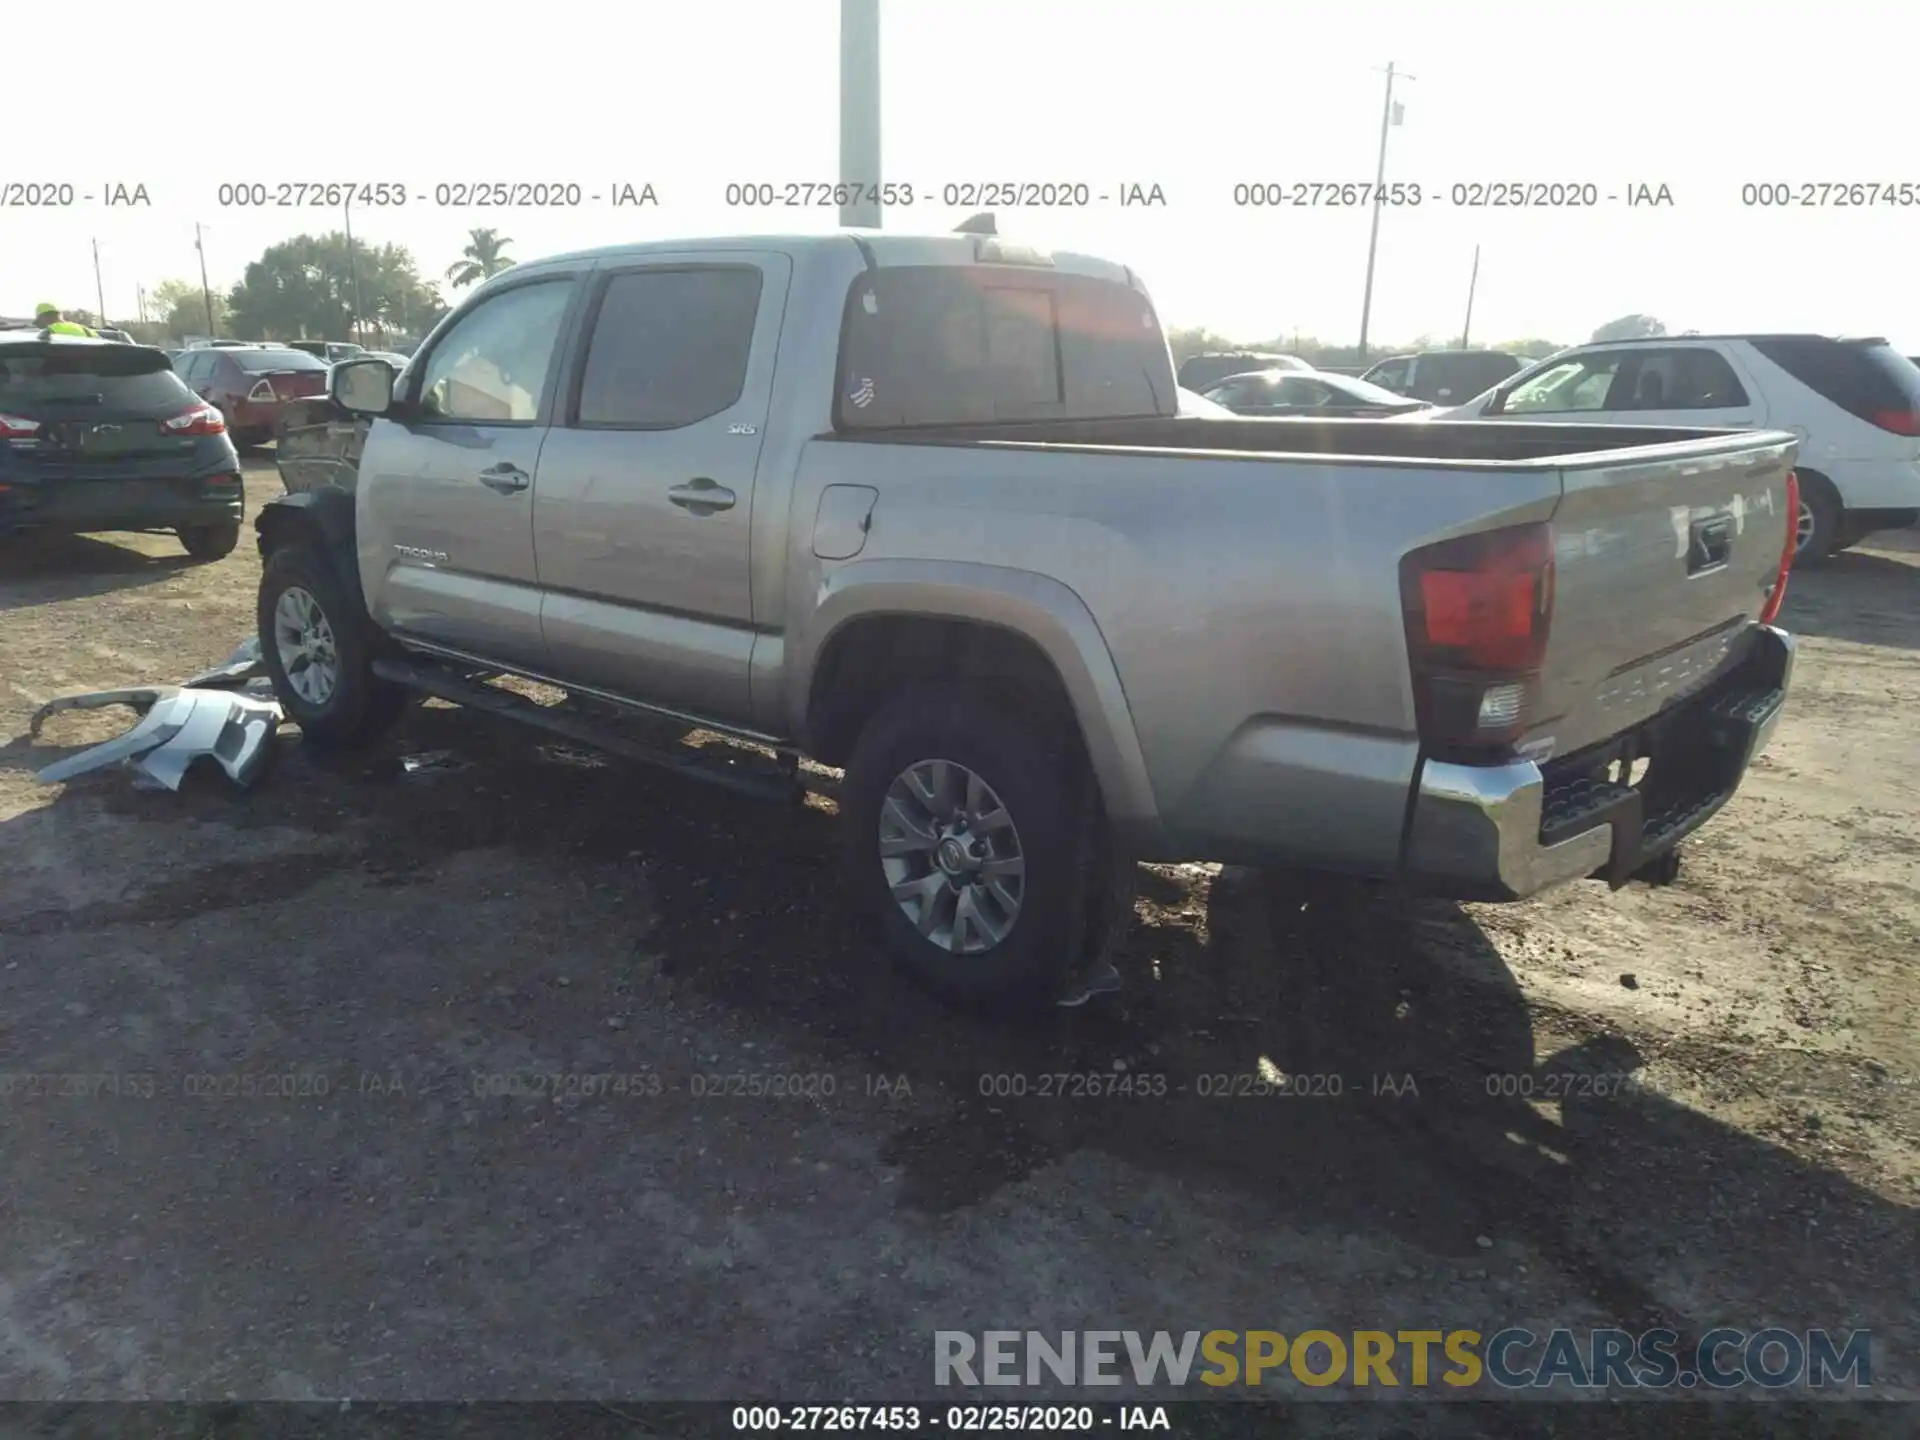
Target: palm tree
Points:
x,y
484,257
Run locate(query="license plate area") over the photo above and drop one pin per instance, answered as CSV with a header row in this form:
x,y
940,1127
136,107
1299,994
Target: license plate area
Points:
x,y
1659,781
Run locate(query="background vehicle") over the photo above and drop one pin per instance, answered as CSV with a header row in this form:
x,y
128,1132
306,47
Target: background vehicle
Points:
x,y
119,337
331,351
97,435
1201,372
1192,404
1445,377
1854,405
318,444
251,386
1285,392
923,510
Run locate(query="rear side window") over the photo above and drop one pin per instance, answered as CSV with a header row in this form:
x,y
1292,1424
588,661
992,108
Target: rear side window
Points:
x,y
1865,378
255,361
108,378
1685,378
670,347
952,344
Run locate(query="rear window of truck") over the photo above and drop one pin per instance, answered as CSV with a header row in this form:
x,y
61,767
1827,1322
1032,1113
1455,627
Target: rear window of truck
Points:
x,y
930,345
110,376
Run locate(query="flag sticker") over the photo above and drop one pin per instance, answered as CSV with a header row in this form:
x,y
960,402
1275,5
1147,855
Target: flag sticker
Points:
x,y
862,393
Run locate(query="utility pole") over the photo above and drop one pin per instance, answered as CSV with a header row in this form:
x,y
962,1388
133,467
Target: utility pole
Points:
x,y
1472,284
206,290
860,113
99,290
353,270
1389,117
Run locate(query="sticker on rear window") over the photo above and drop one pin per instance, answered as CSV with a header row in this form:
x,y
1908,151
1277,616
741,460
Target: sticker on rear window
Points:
x,y
862,393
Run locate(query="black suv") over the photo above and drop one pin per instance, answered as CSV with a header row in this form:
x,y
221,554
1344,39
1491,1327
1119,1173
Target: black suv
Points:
x,y
98,435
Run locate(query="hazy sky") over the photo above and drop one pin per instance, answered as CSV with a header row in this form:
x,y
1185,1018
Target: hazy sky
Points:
x,y
1193,96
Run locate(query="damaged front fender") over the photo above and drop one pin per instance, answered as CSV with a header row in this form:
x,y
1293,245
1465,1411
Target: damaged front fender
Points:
x,y
177,727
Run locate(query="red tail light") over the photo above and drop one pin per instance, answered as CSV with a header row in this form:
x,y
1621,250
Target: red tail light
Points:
x,y
1478,613
1900,422
200,420
12,427
1777,596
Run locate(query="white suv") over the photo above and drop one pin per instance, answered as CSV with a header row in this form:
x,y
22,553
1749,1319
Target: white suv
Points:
x,y
1855,404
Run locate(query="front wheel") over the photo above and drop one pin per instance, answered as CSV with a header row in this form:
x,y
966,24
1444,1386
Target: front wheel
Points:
x,y
964,827
210,542
317,652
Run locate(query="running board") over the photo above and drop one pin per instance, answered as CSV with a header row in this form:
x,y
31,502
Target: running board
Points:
x,y
742,771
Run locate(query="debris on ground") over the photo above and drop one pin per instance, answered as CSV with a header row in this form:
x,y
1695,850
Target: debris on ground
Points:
x,y
433,760
243,669
177,726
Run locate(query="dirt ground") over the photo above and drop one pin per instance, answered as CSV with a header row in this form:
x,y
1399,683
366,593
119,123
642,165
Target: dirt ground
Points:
x,y
394,935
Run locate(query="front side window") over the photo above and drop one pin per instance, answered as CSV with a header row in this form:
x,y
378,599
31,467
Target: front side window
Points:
x,y
1577,384
670,347
492,366
1390,376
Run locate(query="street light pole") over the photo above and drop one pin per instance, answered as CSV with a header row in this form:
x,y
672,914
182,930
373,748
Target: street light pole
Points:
x,y
1379,182
860,113
99,290
1473,283
206,290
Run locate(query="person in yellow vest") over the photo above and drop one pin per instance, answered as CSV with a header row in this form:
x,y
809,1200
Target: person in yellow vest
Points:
x,y
47,317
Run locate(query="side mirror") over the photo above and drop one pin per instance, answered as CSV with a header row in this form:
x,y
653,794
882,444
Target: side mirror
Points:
x,y
362,387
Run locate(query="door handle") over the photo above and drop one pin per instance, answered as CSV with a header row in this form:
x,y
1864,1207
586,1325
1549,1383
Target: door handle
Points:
x,y
505,477
701,496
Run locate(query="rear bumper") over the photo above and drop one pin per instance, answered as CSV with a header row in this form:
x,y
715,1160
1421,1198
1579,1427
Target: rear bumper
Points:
x,y
146,504
1508,831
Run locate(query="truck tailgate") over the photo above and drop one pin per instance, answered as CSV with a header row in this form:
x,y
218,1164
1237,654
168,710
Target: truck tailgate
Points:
x,y
1661,565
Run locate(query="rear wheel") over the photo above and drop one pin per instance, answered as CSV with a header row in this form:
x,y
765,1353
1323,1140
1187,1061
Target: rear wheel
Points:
x,y
964,834
210,542
319,654
1817,528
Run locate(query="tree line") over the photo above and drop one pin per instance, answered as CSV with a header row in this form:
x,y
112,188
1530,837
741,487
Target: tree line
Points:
x,y
313,287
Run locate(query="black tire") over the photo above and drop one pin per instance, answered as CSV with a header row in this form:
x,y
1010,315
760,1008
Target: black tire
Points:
x,y
361,706
1039,779
210,542
1819,499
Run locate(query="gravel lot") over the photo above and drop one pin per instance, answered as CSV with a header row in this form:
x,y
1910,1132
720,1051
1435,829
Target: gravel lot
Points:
x,y
387,933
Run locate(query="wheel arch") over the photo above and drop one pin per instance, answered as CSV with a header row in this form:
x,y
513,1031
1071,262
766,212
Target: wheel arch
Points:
x,y
1032,623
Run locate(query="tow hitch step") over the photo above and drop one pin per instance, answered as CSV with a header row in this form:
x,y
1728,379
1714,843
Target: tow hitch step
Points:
x,y
732,766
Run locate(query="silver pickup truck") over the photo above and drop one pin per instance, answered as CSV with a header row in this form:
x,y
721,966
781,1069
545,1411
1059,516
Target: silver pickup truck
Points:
x,y
917,522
